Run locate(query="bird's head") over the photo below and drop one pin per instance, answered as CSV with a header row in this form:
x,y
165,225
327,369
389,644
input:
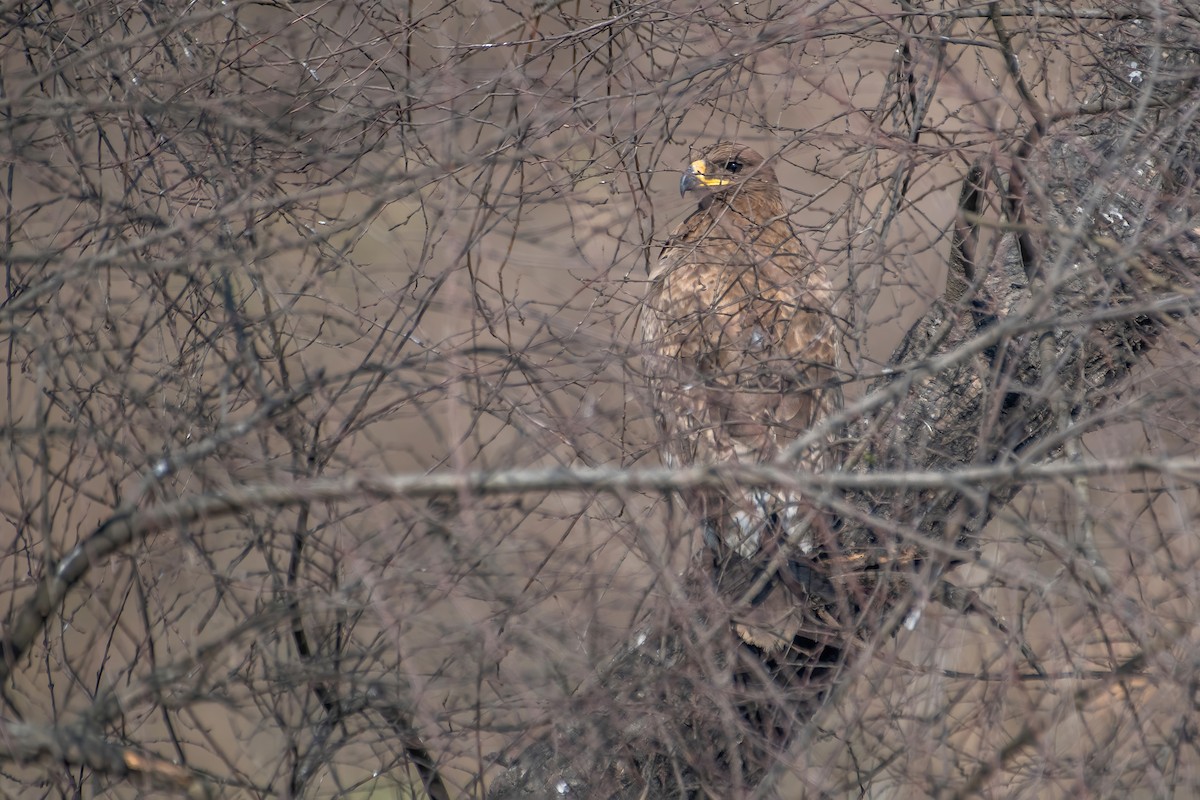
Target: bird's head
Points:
x,y
729,167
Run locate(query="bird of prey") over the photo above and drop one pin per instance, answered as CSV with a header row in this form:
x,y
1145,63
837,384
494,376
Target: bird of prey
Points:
x,y
741,348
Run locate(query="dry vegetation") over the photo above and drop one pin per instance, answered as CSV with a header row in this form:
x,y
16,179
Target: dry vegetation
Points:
x,y
326,467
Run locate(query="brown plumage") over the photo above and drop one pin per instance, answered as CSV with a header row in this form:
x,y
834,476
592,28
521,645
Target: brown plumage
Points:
x,y
741,347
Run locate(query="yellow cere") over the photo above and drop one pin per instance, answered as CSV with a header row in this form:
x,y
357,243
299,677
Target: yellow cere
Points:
x,y
700,168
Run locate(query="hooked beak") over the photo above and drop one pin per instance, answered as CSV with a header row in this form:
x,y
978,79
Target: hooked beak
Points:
x,y
696,176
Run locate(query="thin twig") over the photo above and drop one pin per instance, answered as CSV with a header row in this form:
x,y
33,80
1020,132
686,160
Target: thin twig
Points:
x,y
25,743
127,527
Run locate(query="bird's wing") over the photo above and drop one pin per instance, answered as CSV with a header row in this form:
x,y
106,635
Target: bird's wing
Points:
x,y
741,344
739,328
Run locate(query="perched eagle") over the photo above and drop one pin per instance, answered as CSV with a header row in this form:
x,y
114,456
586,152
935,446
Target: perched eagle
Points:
x,y
741,348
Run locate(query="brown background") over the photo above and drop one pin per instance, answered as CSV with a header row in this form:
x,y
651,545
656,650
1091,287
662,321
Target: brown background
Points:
x,y
325,171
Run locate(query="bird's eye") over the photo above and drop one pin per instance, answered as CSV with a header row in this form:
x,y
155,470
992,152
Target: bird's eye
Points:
x,y
733,165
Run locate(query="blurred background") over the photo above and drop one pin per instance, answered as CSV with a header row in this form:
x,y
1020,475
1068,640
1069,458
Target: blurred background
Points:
x,y
255,243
